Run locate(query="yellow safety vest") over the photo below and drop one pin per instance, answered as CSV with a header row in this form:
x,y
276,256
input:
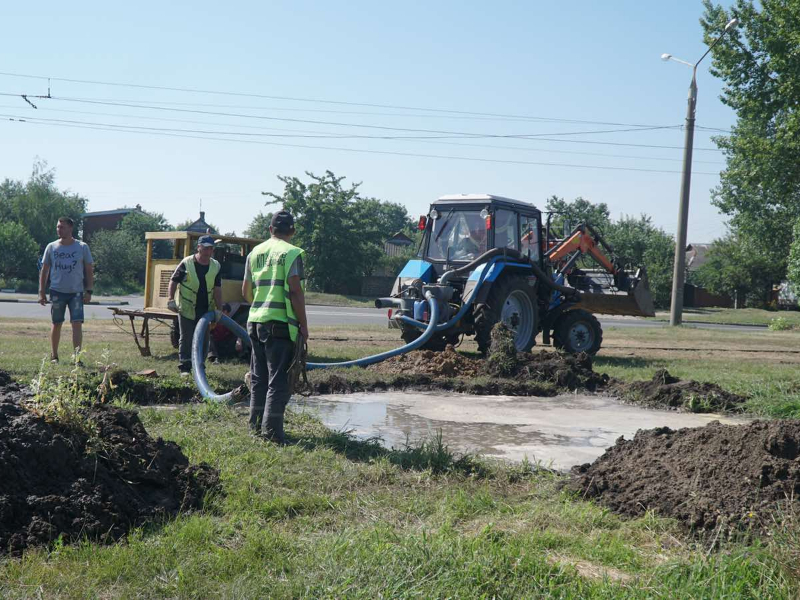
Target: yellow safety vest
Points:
x,y
188,288
270,261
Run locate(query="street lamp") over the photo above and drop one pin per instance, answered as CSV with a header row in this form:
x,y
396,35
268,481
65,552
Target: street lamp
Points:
x,y
679,274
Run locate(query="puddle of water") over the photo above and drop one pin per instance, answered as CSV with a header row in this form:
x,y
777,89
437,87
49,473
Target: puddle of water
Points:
x,y
559,432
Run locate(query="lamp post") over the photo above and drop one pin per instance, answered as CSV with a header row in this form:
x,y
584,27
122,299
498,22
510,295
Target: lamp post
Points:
x,y
679,270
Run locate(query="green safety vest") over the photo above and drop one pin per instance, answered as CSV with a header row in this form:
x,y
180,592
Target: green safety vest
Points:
x,y
269,263
188,288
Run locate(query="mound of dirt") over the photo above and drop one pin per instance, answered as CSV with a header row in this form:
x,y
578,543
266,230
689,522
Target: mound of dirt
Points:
x,y
736,475
59,481
448,363
567,371
666,391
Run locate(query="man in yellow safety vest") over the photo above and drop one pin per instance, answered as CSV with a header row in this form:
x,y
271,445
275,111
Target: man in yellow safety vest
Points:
x,y
273,284
198,283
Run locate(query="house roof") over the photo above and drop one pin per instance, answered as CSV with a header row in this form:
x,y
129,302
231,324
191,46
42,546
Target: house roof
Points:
x,y
103,213
400,238
696,255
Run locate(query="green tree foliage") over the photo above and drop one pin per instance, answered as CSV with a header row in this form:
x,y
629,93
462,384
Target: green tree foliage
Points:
x,y
19,251
259,226
139,222
573,213
760,65
637,242
342,232
735,266
793,272
38,204
119,258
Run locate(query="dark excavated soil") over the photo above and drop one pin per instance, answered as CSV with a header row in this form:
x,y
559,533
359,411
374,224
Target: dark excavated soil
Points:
x,y
741,476
666,391
57,481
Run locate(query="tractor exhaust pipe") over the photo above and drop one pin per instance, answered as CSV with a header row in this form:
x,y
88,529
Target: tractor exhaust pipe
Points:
x,y
388,303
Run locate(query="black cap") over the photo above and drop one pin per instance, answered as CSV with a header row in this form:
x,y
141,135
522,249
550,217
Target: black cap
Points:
x,y
282,221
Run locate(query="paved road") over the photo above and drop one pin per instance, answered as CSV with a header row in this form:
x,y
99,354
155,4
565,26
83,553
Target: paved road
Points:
x,y
334,315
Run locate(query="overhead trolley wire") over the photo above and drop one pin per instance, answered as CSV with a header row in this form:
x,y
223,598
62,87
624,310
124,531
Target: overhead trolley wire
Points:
x,y
104,127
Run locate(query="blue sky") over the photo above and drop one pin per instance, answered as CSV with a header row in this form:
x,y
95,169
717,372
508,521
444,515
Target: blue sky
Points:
x,y
578,61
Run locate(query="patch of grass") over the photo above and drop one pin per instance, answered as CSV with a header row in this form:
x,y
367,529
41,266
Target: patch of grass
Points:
x,y
328,516
733,316
320,298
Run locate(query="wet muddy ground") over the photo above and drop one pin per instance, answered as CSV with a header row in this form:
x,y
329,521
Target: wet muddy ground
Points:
x,y
559,432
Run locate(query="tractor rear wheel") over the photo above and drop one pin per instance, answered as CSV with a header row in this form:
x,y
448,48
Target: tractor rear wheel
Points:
x,y
578,331
513,301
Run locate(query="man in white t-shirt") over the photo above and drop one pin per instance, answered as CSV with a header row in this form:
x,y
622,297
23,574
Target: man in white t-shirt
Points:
x,y
68,264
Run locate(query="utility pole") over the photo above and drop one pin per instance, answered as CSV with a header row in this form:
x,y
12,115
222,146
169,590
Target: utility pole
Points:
x,y
679,265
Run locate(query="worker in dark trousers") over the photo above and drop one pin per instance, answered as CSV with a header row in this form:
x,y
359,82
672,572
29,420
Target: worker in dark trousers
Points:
x,y
273,284
198,283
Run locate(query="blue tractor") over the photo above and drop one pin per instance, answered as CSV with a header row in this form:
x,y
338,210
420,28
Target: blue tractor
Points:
x,y
485,259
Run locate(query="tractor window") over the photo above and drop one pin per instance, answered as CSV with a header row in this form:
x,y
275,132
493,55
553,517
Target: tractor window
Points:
x,y
505,229
457,235
529,236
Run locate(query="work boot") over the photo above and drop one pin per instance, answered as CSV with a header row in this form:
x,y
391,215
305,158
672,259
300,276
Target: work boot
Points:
x,y
273,429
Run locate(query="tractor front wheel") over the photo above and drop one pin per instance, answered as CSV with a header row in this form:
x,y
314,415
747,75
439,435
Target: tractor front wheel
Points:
x,y
513,301
578,331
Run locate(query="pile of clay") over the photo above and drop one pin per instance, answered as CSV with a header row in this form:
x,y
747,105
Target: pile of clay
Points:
x,y
737,476
666,391
95,481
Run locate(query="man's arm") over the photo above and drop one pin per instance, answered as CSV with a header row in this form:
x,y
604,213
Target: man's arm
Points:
x,y
177,276
218,297
247,290
298,300
88,278
43,275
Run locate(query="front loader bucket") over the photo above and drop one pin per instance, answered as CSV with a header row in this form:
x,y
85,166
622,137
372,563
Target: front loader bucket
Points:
x,y
636,302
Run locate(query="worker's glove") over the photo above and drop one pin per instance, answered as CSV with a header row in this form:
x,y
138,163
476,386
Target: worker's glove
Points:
x,y
217,316
172,305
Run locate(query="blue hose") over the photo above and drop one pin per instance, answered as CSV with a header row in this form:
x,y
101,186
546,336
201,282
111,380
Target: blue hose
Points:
x,y
198,364
369,360
198,360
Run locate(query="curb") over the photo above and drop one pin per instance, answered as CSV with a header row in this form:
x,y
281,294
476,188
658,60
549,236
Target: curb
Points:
x,y
18,301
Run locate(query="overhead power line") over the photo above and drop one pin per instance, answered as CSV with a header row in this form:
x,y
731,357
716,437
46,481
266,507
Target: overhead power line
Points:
x,y
306,100
36,121
439,132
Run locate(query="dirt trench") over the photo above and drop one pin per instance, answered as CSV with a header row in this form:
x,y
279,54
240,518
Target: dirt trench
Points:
x,y
508,372
743,477
96,480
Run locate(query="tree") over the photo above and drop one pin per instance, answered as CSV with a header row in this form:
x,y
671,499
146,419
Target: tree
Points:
x,y
139,222
38,204
637,242
573,213
342,232
793,272
19,251
760,186
119,258
735,267
259,226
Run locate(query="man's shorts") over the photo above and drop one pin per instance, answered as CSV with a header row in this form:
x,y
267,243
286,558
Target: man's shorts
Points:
x,y
61,301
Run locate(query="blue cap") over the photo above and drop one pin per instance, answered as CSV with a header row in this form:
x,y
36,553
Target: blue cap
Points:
x,y
206,240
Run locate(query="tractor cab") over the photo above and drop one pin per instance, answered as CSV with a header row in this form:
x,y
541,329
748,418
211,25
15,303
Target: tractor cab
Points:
x,y
459,228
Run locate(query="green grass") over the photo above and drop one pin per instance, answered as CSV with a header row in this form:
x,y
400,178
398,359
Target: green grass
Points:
x,y
731,316
329,516
339,300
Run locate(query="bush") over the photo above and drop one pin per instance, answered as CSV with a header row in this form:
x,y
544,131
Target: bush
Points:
x,y
120,261
780,324
19,251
